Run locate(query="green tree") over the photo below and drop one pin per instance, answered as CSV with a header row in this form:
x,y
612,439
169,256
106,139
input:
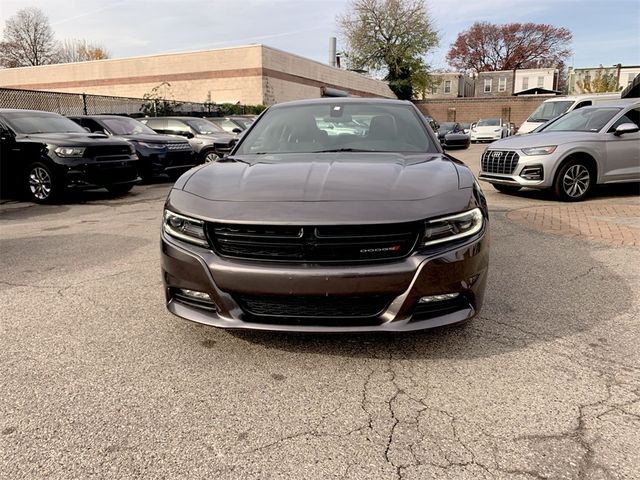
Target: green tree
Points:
x,y
603,81
390,37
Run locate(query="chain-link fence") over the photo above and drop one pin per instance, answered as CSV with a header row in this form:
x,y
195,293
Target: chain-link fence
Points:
x,y
85,104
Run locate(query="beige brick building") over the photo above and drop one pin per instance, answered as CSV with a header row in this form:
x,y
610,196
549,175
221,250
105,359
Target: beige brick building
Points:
x,y
250,75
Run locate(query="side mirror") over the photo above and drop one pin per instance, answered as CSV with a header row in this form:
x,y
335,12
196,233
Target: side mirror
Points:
x,y
237,130
626,128
185,133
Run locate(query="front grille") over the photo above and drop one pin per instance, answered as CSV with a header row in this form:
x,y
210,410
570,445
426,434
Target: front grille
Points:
x,y
348,243
499,161
179,146
106,173
108,151
426,311
294,308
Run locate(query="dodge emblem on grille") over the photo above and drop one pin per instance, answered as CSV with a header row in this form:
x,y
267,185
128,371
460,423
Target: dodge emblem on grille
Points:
x,y
395,248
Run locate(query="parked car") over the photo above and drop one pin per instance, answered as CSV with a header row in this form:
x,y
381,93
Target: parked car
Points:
x,y
206,139
553,107
466,128
45,154
451,135
432,123
157,153
244,121
488,130
571,154
228,125
299,230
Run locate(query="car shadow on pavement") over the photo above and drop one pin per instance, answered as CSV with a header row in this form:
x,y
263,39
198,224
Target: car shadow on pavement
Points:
x,y
622,190
540,289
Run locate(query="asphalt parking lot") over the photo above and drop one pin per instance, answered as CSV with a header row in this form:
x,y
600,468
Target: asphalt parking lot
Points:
x,y
99,380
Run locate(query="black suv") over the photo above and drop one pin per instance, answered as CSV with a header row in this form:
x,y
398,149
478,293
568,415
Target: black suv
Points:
x,y
157,153
45,153
207,139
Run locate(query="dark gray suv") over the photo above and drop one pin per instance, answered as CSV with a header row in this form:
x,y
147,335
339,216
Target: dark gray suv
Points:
x,y
208,140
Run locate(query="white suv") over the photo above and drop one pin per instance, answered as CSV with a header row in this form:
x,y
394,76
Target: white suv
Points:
x,y
571,154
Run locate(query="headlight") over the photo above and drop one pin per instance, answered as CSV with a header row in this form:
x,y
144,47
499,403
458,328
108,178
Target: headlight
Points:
x,y
154,146
549,149
453,227
188,229
70,151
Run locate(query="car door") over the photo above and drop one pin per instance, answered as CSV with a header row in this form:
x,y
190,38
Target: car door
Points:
x,y
623,151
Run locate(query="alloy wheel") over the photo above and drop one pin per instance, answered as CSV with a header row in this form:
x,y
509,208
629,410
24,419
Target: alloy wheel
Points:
x,y
576,181
40,183
211,157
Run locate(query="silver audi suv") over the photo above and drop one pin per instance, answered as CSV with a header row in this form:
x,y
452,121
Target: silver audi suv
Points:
x,y
571,154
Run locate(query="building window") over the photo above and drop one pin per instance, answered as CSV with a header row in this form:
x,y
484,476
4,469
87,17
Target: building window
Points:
x,y
487,85
434,89
541,82
502,84
525,83
447,86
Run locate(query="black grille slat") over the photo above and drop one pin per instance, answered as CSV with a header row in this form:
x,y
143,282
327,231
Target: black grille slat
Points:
x,y
499,161
314,307
179,147
350,243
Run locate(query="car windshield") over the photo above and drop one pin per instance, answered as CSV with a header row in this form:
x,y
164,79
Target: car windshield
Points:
x,y
548,110
334,127
41,122
489,122
126,126
244,122
583,120
447,126
202,126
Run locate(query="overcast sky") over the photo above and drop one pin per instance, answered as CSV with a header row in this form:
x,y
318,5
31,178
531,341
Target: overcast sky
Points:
x,y
605,32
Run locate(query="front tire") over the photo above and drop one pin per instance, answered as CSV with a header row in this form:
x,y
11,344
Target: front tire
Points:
x,y
210,156
42,184
506,188
574,181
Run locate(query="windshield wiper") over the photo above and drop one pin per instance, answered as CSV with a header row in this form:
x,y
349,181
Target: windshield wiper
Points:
x,y
333,150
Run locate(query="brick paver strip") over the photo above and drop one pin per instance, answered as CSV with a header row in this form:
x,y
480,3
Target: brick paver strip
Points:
x,y
609,224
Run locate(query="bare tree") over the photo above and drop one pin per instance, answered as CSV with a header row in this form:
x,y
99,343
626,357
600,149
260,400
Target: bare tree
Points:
x,y
27,40
75,50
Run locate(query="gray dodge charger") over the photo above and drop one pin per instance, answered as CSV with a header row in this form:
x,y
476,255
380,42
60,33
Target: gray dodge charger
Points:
x,y
371,229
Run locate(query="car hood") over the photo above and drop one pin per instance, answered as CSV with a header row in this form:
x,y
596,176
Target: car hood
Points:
x,y
542,139
72,139
324,177
152,138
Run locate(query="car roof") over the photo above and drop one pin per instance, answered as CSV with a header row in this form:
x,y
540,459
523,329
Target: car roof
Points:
x,y
102,115
342,100
24,110
622,103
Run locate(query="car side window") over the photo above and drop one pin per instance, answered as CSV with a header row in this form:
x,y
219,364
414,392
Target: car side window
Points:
x,y
177,126
586,103
632,116
92,125
155,123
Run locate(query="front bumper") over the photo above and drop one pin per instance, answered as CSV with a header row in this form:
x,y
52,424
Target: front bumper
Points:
x,y
461,269
156,163
485,137
83,175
